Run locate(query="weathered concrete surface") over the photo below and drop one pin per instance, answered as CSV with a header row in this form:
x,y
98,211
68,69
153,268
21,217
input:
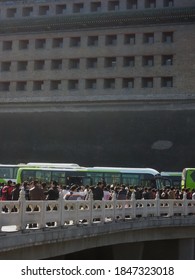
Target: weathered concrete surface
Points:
x,y
142,135
41,244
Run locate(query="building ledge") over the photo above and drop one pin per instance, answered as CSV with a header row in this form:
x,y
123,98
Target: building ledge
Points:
x,y
100,20
122,103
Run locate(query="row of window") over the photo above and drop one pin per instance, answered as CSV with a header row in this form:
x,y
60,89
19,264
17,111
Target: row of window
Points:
x,y
108,83
81,7
110,40
92,62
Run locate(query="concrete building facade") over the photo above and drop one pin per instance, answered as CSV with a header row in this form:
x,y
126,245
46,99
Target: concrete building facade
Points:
x,y
104,82
96,50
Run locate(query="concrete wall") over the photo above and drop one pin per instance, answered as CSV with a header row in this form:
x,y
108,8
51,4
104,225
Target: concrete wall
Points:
x,y
159,139
143,240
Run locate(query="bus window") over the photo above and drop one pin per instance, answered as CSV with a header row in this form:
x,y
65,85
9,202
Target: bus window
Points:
x,y
112,178
28,175
6,172
95,177
43,176
87,181
40,175
131,179
59,176
166,183
171,179
9,172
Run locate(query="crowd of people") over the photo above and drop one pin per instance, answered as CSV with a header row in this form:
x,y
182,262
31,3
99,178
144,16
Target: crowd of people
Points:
x,y
36,190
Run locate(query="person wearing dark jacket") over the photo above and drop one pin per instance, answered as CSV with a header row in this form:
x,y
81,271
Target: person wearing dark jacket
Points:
x,y
53,192
16,192
98,193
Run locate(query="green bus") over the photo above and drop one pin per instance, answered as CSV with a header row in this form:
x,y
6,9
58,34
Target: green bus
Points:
x,y
188,178
171,179
9,172
144,177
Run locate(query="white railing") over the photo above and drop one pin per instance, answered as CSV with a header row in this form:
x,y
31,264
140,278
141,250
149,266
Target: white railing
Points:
x,y
25,214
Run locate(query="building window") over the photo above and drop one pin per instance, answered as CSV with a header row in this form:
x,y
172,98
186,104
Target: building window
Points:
x,y
23,44
167,37
169,3
5,66
21,86
113,5
92,40
111,40
74,63
167,59
150,4
43,10
39,64
167,82
148,60
129,61
4,86
131,4
38,85
11,12
90,84
75,42
57,43
110,62
56,64
129,39
147,82
78,7
128,83
40,43
55,85
95,6
148,38
7,45
60,9
22,65
27,11
91,62
109,83
73,84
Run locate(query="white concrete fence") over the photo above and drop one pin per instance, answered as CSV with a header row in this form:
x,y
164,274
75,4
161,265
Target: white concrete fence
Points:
x,y
25,214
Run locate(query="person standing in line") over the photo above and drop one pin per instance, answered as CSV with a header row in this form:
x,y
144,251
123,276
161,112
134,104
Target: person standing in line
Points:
x,y
7,191
16,192
122,194
98,193
52,193
36,192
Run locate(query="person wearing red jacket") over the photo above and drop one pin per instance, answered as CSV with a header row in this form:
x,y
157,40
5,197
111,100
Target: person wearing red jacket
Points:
x,y
7,191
